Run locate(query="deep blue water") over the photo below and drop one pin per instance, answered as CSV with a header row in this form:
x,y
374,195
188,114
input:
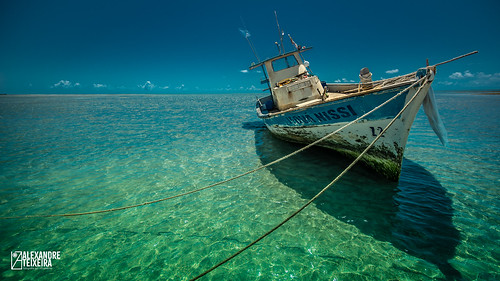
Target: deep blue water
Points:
x,y
77,153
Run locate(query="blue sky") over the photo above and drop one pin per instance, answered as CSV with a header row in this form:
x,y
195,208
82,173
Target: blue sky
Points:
x,y
196,46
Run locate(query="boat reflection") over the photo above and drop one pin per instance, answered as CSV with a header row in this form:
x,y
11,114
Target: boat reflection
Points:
x,y
415,215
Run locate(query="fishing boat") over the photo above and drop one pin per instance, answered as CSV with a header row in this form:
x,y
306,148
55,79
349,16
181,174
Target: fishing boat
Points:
x,y
301,108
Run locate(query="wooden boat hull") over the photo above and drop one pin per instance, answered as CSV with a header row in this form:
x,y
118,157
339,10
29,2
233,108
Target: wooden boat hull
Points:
x,y
312,122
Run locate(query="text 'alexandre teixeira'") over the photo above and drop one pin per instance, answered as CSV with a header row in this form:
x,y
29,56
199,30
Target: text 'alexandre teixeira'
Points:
x,y
20,260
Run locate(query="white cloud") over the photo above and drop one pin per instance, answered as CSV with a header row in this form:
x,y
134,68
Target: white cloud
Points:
x,y
147,86
244,71
62,84
227,88
467,74
344,80
98,85
470,79
392,71
252,88
482,78
459,75
180,87
65,84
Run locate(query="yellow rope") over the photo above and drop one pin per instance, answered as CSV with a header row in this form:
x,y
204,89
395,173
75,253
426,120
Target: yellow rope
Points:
x,y
224,181
320,193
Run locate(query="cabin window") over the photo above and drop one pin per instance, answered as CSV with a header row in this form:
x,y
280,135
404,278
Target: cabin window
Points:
x,y
284,63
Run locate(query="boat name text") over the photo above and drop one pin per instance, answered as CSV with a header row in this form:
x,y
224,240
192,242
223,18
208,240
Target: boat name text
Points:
x,y
322,116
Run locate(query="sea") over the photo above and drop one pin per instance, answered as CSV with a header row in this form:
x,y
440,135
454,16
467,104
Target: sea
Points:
x,y
62,154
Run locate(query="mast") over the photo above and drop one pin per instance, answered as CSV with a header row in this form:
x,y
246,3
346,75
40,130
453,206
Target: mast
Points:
x,y
281,33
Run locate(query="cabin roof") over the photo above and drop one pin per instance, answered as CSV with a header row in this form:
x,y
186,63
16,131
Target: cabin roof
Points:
x,y
253,66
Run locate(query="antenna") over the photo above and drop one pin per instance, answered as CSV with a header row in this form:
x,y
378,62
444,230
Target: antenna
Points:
x,y
247,36
281,33
278,46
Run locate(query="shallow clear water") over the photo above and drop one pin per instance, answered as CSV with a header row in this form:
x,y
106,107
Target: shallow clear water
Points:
x,y
62,154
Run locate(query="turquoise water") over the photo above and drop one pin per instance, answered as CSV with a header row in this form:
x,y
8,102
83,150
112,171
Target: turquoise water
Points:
x,y
77,153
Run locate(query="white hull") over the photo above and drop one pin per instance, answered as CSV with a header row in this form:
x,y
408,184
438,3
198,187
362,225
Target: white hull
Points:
x,y
387,154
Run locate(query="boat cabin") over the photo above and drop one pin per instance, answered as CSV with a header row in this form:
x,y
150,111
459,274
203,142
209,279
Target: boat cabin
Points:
x,y
289,81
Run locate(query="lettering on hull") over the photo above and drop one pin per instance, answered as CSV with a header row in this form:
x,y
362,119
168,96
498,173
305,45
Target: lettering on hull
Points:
x,y
322,116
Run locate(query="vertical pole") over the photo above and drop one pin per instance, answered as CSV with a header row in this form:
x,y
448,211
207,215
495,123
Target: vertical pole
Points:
x,y
267,79
280,33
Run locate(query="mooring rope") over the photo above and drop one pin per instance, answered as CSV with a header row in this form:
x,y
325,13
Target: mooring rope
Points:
x,y
227,180
319,193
